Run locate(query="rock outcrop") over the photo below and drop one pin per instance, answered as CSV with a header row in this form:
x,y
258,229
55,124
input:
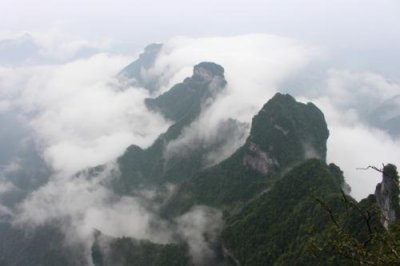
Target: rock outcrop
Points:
x,y
387,196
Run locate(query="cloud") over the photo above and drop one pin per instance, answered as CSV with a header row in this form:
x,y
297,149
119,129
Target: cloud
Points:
x,y
78,116
346,99
358,146
200,227
6,186
362,91
255,65
4,106
51,46
83,204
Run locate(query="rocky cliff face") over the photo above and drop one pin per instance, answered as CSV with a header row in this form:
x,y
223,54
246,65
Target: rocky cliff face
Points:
x,y
387,196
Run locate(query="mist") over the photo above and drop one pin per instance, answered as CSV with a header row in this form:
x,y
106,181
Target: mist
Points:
x,y
257,66
77,116
76,108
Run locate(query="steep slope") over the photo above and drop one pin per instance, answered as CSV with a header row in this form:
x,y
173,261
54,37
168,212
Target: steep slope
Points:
x,y
181,104
387,195
128,251
279,227
283,134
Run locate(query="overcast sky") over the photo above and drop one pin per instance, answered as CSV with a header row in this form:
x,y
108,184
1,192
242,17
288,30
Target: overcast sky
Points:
x,y
374,24
359,34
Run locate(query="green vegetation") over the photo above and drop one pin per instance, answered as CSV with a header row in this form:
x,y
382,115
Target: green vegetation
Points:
x,y
290,130
306,219
128,251
276,143
276,227
181,104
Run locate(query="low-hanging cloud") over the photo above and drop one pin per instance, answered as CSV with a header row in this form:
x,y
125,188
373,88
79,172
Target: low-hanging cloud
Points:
x,y
84,204
79,118
347,98
200,227
46,47
78,115
254,66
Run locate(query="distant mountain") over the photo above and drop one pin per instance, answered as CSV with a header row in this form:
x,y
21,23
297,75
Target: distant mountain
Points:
x,y
135,74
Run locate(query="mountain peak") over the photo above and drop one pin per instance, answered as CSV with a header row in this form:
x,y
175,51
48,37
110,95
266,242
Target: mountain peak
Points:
x,y
206,71
187,98
152,48
285,132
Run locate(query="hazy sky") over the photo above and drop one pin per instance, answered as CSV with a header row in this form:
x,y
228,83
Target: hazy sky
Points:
x,y
357,32
343,22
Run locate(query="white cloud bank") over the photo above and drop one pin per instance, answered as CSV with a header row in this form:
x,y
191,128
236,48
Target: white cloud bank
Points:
x,y
42,47
79,116
346,99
